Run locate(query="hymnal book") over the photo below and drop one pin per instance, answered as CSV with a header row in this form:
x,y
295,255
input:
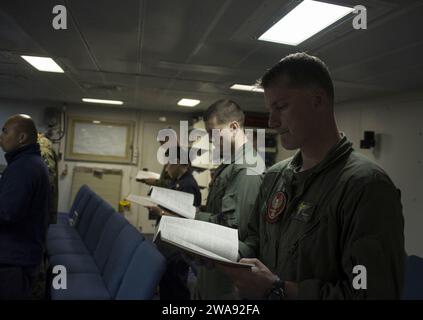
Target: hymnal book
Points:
x,y
204,239
181,203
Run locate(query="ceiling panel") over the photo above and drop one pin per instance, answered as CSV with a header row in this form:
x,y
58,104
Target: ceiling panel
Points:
x,y
151,53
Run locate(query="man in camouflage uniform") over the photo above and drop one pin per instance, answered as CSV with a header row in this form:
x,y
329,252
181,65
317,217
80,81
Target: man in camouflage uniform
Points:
x,y
50,159
327,223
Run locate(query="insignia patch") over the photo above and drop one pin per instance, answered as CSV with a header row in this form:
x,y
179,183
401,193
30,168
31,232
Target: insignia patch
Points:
x,y
304,212
276,207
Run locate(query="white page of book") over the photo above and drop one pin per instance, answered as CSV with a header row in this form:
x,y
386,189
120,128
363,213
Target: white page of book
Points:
x,y
196,249
147,175
221,241
176,201
141,200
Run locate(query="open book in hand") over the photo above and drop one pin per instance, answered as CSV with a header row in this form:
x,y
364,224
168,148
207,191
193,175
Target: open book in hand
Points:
x,y
204,239
181,203
147,175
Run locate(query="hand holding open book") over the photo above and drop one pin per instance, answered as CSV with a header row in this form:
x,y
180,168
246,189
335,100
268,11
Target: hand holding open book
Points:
x,y
204,239
178,202
159,211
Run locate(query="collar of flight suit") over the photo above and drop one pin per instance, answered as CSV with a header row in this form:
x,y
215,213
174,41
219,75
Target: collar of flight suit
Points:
x,y
240,152
337,152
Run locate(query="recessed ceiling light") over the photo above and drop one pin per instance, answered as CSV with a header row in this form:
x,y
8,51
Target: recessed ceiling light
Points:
x,y
43,64
246,87
96,122
188,102
102,101
304,21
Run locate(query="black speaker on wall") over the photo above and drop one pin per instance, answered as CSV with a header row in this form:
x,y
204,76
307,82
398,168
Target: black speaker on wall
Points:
x,y
369,140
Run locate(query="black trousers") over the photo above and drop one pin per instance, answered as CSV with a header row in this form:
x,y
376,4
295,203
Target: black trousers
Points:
x,y
16,282
173,285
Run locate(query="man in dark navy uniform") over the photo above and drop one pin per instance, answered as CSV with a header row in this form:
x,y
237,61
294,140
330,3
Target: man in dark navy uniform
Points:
x,y
173,285
24,207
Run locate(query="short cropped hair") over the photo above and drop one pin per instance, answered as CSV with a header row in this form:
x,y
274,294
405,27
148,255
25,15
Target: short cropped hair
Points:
x,y
225,111
301,70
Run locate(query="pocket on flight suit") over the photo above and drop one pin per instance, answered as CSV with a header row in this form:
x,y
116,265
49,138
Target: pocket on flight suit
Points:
x,y
229,204
310,247
306,224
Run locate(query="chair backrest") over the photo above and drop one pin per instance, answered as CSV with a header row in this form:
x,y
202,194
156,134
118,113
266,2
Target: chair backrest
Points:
x,y
413,286
81,204
120,256
143,273
85,218
111,231
81,193
98,221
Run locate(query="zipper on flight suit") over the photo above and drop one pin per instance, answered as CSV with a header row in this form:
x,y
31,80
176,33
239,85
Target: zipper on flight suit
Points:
x,y
294,246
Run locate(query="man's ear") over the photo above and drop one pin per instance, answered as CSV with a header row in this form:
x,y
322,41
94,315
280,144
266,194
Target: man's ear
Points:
x,y
320,99
23,138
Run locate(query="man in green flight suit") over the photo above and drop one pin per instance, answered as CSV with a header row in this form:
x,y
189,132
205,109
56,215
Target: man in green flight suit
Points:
x,y
233,191
327,223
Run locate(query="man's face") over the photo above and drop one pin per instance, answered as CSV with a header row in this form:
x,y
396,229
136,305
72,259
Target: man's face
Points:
x,y
226,135
290,113
173,170
9,137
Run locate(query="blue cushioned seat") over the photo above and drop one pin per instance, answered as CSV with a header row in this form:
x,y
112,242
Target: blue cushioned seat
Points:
x,y
143,274
82,204
62,218
120,257
66,246
82,286
61,232
84,219
111,231
78,197
105,256
98,221
75,263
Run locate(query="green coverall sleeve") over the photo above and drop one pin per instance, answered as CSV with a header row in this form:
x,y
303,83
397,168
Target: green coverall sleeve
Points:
x,y
248,247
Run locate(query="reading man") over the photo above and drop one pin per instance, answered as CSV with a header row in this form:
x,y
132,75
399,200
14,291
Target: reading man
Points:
x,y
173,285
233,190
325,216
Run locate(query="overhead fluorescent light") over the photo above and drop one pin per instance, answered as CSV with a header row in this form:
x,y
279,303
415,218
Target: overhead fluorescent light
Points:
x,y
304,21
96,122
188,102
102,101
43,64
245,87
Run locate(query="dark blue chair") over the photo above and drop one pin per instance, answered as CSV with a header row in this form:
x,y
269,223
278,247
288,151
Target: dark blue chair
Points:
x,y
105,256
143,274
78,205
120,256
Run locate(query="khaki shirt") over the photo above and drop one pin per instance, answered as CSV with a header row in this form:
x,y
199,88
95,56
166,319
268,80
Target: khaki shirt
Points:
x,y
314,227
